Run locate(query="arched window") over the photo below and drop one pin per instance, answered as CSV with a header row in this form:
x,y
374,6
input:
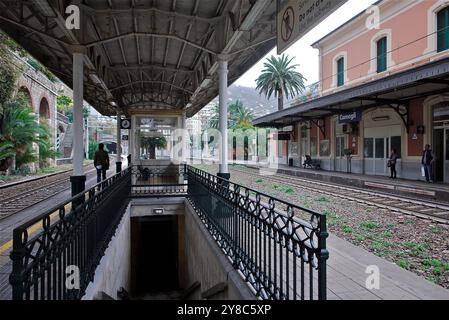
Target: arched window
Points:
x,y
443,29
339,69
382,54
340,72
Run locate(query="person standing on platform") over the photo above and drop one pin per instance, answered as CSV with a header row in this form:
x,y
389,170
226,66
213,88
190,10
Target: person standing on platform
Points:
x,y
427,161
392,163
101,162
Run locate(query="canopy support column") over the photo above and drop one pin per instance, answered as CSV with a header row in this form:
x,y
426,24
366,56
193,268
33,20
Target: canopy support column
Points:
x,y
223,100
185,137
78,179
118,164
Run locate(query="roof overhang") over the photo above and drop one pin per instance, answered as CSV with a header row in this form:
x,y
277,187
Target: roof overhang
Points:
x,y
145,55
393,91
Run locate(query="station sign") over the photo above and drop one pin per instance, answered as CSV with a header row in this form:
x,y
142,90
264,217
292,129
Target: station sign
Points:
x,y
125,137
350,117
125,124
282,136
297,17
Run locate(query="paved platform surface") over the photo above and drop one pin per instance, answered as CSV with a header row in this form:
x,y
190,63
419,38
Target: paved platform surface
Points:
x,y
346,277
412,188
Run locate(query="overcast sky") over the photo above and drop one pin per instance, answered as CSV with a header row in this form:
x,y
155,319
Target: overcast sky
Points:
x,y
306,56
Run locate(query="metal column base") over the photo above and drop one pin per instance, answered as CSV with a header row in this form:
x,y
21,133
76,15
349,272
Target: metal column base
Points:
x,y
118,167
78,186
226,176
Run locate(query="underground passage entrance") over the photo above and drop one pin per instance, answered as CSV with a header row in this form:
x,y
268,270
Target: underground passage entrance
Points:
x,y
154,254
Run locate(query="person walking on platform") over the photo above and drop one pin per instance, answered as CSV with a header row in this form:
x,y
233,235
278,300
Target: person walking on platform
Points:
x,y
392,163
101,162
427,161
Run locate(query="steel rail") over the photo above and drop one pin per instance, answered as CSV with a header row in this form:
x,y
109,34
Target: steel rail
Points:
x,y
295,182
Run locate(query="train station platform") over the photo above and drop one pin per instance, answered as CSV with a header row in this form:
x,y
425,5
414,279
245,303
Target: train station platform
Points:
x,y
347,267
411,188
346,277
348,273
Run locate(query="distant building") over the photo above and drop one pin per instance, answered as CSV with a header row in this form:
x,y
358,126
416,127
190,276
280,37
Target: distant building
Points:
x,y
383,86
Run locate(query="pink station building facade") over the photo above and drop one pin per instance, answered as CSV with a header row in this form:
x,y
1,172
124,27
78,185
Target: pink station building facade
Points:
x,y
384,84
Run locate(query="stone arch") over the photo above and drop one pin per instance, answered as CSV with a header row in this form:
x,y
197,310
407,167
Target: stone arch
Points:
x,y
44,109
26,94
61,128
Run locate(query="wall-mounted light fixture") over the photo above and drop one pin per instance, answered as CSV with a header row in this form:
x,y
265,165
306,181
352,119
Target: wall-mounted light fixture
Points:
x,y
158,211
381,118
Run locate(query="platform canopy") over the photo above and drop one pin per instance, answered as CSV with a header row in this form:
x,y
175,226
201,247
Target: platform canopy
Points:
x,y
142,55
395,91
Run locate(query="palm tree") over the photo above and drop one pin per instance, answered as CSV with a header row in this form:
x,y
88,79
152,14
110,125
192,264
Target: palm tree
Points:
x,y
279,78
46,148
20,130
238,116
6,150
241,117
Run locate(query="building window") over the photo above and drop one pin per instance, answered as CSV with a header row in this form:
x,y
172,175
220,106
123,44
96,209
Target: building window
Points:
x,y
340,72
382,54
443,29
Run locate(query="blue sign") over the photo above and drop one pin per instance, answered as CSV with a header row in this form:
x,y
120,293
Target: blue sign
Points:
x,y
349,117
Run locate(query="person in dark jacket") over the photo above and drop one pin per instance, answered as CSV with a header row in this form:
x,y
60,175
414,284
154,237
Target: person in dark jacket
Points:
x,y
101,162
392,163
427,161
307,162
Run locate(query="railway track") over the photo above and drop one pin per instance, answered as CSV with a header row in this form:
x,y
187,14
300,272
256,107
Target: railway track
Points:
x,y
410,206
19,197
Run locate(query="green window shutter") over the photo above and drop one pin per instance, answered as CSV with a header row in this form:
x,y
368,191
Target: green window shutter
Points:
x,y
340,72
382,55
443,30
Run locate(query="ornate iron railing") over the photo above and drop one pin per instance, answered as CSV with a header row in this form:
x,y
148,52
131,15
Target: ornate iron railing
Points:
x,y
278,247
158,180
51,250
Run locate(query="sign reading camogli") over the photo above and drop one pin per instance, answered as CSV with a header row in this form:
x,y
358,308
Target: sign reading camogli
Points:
x,y
297,17
349,117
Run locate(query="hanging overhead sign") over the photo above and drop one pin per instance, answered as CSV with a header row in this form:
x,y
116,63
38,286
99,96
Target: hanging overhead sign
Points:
x,y
350,117
296,18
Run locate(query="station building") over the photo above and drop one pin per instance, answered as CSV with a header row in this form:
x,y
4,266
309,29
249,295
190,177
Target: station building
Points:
x,y
384,84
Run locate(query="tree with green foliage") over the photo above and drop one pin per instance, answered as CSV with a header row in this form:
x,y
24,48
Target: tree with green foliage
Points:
x,y
69,113
64,103
238,116
40,68
9,73
150,144
241,117
280,78
20,129
6,150
46,148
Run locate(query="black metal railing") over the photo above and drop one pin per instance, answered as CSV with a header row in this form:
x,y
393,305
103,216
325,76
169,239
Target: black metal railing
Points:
x,y
158,180
55,254
279,247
